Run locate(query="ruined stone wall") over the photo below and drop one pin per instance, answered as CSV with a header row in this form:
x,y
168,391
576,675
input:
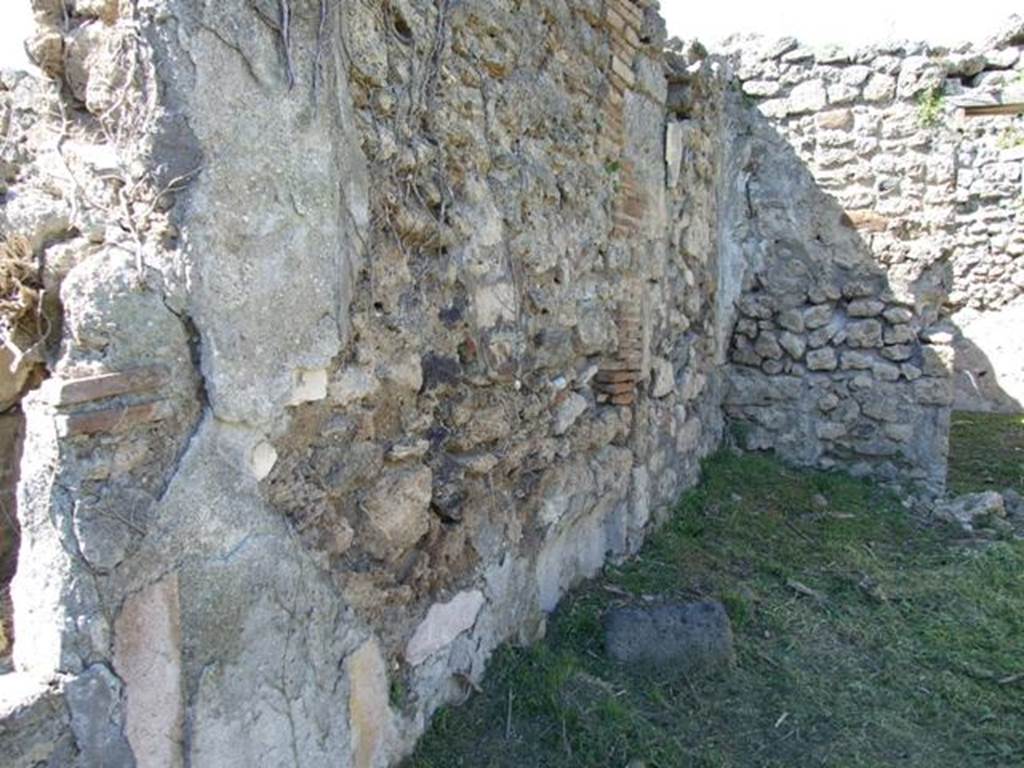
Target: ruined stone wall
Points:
x,y
920,149
372,328
876,207
369,329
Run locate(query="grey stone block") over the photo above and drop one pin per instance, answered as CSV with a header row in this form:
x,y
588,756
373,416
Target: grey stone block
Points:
x,y
688,637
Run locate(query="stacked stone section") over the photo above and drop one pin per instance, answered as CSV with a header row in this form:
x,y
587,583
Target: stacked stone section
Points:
x,y
922,149
841,378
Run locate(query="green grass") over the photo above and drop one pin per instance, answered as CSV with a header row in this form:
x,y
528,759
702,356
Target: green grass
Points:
x,y
908,659
986,452
930,107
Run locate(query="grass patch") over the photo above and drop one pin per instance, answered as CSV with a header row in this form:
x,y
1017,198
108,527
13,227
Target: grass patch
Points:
x,y
909,659
986,452
930,107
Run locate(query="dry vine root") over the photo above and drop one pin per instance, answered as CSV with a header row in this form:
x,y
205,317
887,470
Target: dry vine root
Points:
x,y
24,328
20,287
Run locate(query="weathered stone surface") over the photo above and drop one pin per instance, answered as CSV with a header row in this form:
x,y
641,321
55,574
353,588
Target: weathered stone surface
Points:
x,y
973,510
663,379
880,87
822,359
864,334
369,713
934,391
569,411
680,637
818,316
397,512
34,724
94,701
407,275
807,97
147,659
793,344
443,623
865,308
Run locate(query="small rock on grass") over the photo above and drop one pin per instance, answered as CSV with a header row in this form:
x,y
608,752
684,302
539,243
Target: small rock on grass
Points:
x,y
1014,503
974,510
685,637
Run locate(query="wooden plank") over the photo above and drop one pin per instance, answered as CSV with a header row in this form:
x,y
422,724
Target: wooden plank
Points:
x,y
994,109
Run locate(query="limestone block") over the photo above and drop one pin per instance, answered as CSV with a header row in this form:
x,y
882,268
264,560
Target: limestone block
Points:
x,y
568,411
767,346
397,512
34,726
937,359
901,433
663,378
835,120
262,460
898,315
898,352
856,74
822,359
147,658
82,47
105,10
309,386
830,430
900,334
94,701
818,316
880,87
864,334
885,371
841,93
369,714
761,88
682,637
919,74
443,623
353,385
973,510
865,308
810,96
852,360
793,344
929,391
791,320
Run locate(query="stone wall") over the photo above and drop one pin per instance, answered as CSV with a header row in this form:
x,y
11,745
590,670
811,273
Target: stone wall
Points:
x,y
379,327
370,329
921,148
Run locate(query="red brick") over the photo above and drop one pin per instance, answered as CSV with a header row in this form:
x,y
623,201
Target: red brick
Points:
x,y
112,419
615,377
619,389
620,365
73,391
